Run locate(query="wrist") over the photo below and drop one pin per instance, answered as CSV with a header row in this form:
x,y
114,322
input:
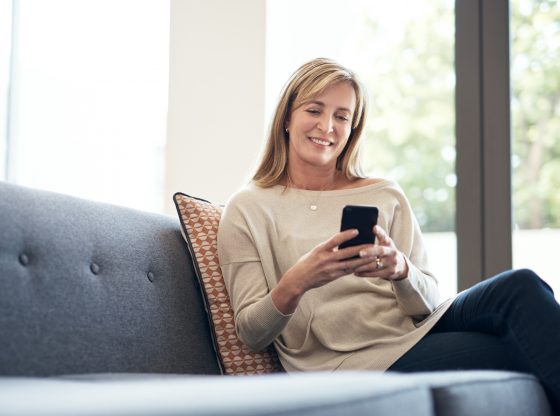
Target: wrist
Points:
x,y
404,273
399,278
286,295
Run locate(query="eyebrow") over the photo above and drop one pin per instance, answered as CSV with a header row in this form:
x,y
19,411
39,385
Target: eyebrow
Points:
x,y
323,104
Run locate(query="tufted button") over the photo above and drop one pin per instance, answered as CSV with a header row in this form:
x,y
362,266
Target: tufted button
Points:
x,y
94,268
24,259
151,276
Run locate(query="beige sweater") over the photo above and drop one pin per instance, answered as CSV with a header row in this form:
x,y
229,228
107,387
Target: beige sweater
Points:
x,y
350,324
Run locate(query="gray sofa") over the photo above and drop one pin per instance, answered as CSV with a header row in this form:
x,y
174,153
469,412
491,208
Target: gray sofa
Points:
x,y
100,313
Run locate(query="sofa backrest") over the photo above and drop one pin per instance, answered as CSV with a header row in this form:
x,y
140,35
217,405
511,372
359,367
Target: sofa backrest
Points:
x,y
89,287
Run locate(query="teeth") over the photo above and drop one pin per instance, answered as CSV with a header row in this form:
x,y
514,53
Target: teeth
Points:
x,y
319,141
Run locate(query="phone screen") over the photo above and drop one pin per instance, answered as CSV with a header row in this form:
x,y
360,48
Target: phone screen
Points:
x,y
361,217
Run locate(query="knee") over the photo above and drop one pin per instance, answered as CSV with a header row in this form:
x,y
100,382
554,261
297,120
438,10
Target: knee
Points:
x,y
526,280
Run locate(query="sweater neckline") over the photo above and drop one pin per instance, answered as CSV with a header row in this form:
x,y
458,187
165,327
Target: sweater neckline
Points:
x,y
337,192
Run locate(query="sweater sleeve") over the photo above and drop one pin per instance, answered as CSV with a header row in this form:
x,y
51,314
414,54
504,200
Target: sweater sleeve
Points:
x,y
258,322
418,294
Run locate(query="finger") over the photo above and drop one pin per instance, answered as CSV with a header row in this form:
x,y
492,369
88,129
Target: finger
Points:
x,y
382,274
345,267
386,260
386,269
377,251
354,263
349,252
374,266
382,236
340,238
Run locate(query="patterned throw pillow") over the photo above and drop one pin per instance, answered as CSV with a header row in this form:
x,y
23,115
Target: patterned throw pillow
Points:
x,y
199,225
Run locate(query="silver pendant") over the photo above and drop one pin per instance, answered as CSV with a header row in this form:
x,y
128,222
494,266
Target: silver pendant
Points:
x,y
313,207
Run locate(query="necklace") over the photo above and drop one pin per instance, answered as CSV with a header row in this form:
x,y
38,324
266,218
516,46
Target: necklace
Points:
x,y
312,203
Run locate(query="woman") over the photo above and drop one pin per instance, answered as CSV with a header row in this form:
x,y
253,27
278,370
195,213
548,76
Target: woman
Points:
x,y
373,306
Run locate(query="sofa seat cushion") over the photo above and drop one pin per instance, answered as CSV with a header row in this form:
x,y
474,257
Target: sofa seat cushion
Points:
x,y
485,393
342,393
309,394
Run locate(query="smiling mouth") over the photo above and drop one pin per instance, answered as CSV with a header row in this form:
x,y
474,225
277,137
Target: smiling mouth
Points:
x,y
320,142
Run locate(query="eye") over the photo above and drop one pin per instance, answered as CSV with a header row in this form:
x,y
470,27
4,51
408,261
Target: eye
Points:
x,y
313,111
342,117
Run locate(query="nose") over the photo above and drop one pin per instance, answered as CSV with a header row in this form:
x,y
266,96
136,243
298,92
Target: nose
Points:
x,y
325,124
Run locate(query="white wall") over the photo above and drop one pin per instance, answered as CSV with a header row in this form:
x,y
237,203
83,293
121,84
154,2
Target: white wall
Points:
x,y
216,96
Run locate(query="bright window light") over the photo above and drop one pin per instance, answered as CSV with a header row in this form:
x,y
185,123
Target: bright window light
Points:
x,y
89,99
5,50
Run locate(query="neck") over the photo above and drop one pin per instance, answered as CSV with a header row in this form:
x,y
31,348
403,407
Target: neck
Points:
x,y
316,181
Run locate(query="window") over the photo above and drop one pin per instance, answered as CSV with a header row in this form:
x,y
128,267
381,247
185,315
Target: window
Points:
x,y
5,50
89,98
535,109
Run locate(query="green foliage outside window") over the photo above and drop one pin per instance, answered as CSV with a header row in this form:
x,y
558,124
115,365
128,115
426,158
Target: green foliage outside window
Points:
x,y
535,106
411,126
411,121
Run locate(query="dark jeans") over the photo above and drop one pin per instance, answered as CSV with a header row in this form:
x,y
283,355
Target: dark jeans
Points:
x,y
508,322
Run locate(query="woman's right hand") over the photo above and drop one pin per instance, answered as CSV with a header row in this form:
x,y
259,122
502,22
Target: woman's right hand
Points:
x,y
325,263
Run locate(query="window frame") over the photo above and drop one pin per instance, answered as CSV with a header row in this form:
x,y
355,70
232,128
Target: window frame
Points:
x,y
483,165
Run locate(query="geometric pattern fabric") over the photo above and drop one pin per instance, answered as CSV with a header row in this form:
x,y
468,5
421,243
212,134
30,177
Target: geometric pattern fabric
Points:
x,y
199,225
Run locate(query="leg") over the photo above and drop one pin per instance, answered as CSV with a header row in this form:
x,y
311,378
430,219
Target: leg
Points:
x,y
520,309
457,351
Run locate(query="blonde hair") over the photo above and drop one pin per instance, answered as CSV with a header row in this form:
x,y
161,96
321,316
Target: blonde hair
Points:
x,y
309,81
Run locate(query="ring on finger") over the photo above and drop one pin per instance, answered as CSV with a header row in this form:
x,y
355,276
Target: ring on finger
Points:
x,y
378,263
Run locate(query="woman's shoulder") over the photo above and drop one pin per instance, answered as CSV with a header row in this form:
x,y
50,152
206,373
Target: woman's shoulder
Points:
x,y
371,183
249,198
248,193
376,187
361,182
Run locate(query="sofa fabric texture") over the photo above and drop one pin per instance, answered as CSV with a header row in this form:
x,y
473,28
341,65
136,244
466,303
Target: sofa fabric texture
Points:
x,y
89,287
100,314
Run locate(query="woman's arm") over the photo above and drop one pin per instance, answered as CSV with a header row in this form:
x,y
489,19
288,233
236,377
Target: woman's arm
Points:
x,y
261,313
257,320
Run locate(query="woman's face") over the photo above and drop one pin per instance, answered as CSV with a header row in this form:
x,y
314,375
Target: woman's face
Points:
x,y
320,128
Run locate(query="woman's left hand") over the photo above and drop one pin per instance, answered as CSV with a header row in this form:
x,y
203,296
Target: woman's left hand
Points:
x,y
387,261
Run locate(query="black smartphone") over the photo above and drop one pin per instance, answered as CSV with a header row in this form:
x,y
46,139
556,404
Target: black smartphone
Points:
x,y
361,217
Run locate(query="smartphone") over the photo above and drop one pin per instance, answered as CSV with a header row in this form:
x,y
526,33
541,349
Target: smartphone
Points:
x,y
361,217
